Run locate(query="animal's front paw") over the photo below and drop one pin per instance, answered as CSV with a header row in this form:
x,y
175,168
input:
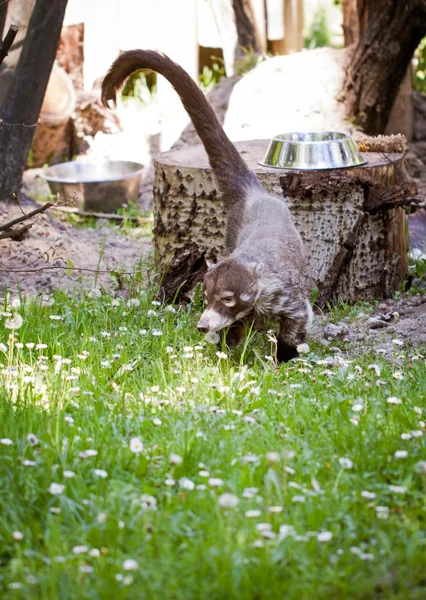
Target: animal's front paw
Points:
x,y
286,353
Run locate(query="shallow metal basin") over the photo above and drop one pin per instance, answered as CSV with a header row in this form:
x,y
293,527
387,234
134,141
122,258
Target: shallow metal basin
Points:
x,y
101,186
312,150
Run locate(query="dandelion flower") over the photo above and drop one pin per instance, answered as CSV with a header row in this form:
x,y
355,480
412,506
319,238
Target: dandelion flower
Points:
x,y
368,495
175,459
382,512
80,549
130,565
251,514
215,482
156,421
393,400
272,457
324,536
228,501
32,439
398,489
136,445
69,474
401,454
94,552
101,473
56,489
186,484
86,569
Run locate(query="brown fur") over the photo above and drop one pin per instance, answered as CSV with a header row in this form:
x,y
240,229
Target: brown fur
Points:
x,y
264,273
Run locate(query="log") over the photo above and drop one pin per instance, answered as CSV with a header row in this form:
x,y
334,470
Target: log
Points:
x,y
352,221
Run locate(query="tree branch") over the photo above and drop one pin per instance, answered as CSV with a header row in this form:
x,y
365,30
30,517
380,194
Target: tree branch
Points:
x,y
7,42
34,212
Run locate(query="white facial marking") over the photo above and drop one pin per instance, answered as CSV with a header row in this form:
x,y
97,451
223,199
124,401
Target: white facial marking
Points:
x,y
214,320
230,303
246,297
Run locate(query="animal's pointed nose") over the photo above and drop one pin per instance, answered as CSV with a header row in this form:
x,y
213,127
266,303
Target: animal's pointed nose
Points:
x,y
203,325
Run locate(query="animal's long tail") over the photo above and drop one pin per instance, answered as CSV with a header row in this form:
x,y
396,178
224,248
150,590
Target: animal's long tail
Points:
x,y
231,172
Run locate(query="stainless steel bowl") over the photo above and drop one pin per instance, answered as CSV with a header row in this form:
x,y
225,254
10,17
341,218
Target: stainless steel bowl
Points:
x,y
101,186
312,150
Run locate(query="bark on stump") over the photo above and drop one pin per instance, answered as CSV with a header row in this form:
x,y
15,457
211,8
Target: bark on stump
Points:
x,y
352,221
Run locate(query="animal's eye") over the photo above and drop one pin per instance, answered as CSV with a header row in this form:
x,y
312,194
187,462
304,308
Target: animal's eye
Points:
x,y
228,300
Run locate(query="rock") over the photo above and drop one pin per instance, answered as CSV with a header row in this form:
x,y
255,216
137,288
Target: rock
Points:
x,y
376,323
332,331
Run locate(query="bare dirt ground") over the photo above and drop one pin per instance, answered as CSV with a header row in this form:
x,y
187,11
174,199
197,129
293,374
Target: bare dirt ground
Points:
x,y
40,262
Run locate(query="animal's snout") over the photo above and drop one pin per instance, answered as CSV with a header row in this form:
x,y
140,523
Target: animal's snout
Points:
x,y
203,325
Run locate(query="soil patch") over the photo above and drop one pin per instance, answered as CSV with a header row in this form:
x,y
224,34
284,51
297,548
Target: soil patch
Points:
x,y
40,262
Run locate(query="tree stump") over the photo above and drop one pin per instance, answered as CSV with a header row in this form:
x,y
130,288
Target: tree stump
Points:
x,y
352,221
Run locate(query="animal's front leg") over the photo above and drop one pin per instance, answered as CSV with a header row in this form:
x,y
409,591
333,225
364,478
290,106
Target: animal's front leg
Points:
x,y
235,335
238,331
292,333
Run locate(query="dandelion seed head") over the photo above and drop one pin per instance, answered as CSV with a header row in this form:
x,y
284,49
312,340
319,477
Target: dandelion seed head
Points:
x,y
18,536
14,322
346,463
228,500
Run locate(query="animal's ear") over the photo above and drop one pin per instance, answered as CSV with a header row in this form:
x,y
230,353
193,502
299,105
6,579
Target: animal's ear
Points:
x,y
256,268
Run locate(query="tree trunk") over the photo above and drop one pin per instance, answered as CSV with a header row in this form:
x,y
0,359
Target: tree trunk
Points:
x,y
350,220
20,112
234,21
381,59
19,14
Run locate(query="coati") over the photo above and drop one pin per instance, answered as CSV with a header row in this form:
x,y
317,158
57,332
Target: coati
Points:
x,y
264,272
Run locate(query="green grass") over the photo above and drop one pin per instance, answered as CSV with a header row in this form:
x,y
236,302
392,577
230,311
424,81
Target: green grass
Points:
x,y
107,376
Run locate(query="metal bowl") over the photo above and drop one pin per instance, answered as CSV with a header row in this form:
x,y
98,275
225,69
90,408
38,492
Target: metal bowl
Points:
x,y
312,150
101,186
